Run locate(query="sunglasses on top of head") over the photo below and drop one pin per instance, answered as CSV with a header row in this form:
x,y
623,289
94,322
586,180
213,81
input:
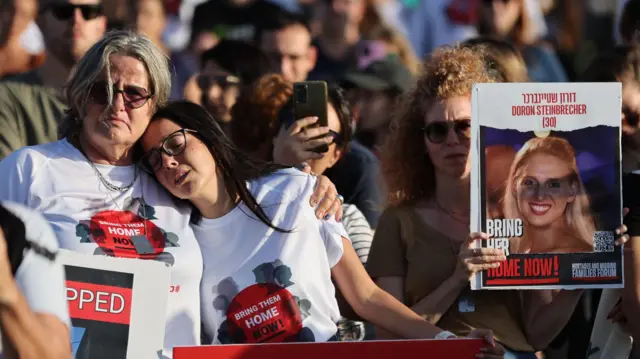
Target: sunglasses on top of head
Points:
x,y
65,11
134,96
437,132
172,145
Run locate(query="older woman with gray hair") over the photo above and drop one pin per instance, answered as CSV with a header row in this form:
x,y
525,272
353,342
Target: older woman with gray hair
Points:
x,y
88,185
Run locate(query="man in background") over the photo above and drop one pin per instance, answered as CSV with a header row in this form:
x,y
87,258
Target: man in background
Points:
x,y
31,104
336,43
287,40
377,88
356,174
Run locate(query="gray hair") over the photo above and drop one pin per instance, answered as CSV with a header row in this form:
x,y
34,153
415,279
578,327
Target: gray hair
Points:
x,y
96,62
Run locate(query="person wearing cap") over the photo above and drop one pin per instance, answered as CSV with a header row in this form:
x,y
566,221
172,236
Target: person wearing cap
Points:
x,y
377,87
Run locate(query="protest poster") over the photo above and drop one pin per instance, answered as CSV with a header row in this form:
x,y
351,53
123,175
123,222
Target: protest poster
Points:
x,y
447,348
117,305
546,183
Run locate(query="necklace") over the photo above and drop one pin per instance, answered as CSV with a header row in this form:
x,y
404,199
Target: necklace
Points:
x,y
110,186
450,214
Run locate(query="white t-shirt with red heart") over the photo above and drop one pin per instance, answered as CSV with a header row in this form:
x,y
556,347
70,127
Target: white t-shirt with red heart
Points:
x,y
142,222
260,285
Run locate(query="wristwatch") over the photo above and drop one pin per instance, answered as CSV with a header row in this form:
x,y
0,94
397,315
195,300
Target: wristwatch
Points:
x,y
445,335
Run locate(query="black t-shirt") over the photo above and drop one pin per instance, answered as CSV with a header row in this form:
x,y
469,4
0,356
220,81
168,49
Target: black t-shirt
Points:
x,y
631,200
357,178
242,23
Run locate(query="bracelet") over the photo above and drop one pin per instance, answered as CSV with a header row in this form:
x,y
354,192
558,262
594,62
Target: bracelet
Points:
x,y
445,335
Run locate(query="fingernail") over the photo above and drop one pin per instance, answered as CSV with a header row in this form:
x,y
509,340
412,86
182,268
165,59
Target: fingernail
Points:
x,y
327,216
314,203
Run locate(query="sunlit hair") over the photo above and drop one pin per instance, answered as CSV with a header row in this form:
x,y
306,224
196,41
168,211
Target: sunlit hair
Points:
x,y
96,63
407,169
254,114
502,58
577,215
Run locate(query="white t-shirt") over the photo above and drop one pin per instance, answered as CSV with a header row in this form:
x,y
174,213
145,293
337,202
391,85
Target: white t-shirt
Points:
x,y
56,180
260,285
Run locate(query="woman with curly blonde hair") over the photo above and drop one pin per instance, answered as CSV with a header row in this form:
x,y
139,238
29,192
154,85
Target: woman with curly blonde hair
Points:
x,y
544,189
422,250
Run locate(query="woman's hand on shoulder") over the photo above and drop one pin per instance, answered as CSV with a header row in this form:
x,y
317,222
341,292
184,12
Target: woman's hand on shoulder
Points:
x,y
492,349
325,198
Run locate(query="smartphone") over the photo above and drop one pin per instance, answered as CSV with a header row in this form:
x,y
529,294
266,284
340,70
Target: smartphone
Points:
x,y
310,98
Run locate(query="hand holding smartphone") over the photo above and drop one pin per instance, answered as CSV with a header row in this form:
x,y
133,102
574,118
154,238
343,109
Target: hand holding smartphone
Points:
x,y
310,99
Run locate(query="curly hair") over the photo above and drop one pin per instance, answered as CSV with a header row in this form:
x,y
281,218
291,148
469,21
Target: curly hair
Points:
x,y
504,61
255,114
406,166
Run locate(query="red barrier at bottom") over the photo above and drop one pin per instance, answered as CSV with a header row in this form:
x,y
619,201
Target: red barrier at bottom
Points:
x,y
448,348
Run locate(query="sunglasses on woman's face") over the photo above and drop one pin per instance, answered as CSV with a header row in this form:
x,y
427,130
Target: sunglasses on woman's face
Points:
x,y
134,96
65,11
172,145
335,137
437,132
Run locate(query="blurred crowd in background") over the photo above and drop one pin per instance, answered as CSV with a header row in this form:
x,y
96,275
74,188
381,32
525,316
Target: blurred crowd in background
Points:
x,y
240,58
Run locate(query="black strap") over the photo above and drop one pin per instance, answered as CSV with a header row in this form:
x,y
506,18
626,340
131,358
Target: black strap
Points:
x,y
15,236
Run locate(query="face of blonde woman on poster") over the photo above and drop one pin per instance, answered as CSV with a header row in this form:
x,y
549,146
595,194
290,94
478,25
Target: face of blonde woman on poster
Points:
x,y
544,190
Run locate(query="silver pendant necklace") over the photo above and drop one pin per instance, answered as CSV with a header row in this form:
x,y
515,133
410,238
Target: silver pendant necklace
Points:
x,y
110,186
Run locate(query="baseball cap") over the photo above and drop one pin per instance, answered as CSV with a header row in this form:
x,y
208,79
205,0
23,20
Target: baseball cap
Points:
x,y
387,74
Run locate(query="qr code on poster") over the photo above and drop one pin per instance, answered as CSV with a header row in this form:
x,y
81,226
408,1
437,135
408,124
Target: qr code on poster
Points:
x,y
603,241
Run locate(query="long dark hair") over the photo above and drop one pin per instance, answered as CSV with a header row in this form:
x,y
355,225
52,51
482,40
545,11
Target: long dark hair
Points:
x,y
235,166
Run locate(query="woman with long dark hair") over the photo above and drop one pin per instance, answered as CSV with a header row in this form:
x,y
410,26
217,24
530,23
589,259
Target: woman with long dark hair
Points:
x,y
93,186
268,261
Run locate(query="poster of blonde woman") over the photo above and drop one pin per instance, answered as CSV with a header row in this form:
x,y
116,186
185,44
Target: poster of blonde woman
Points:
x,y
546,184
